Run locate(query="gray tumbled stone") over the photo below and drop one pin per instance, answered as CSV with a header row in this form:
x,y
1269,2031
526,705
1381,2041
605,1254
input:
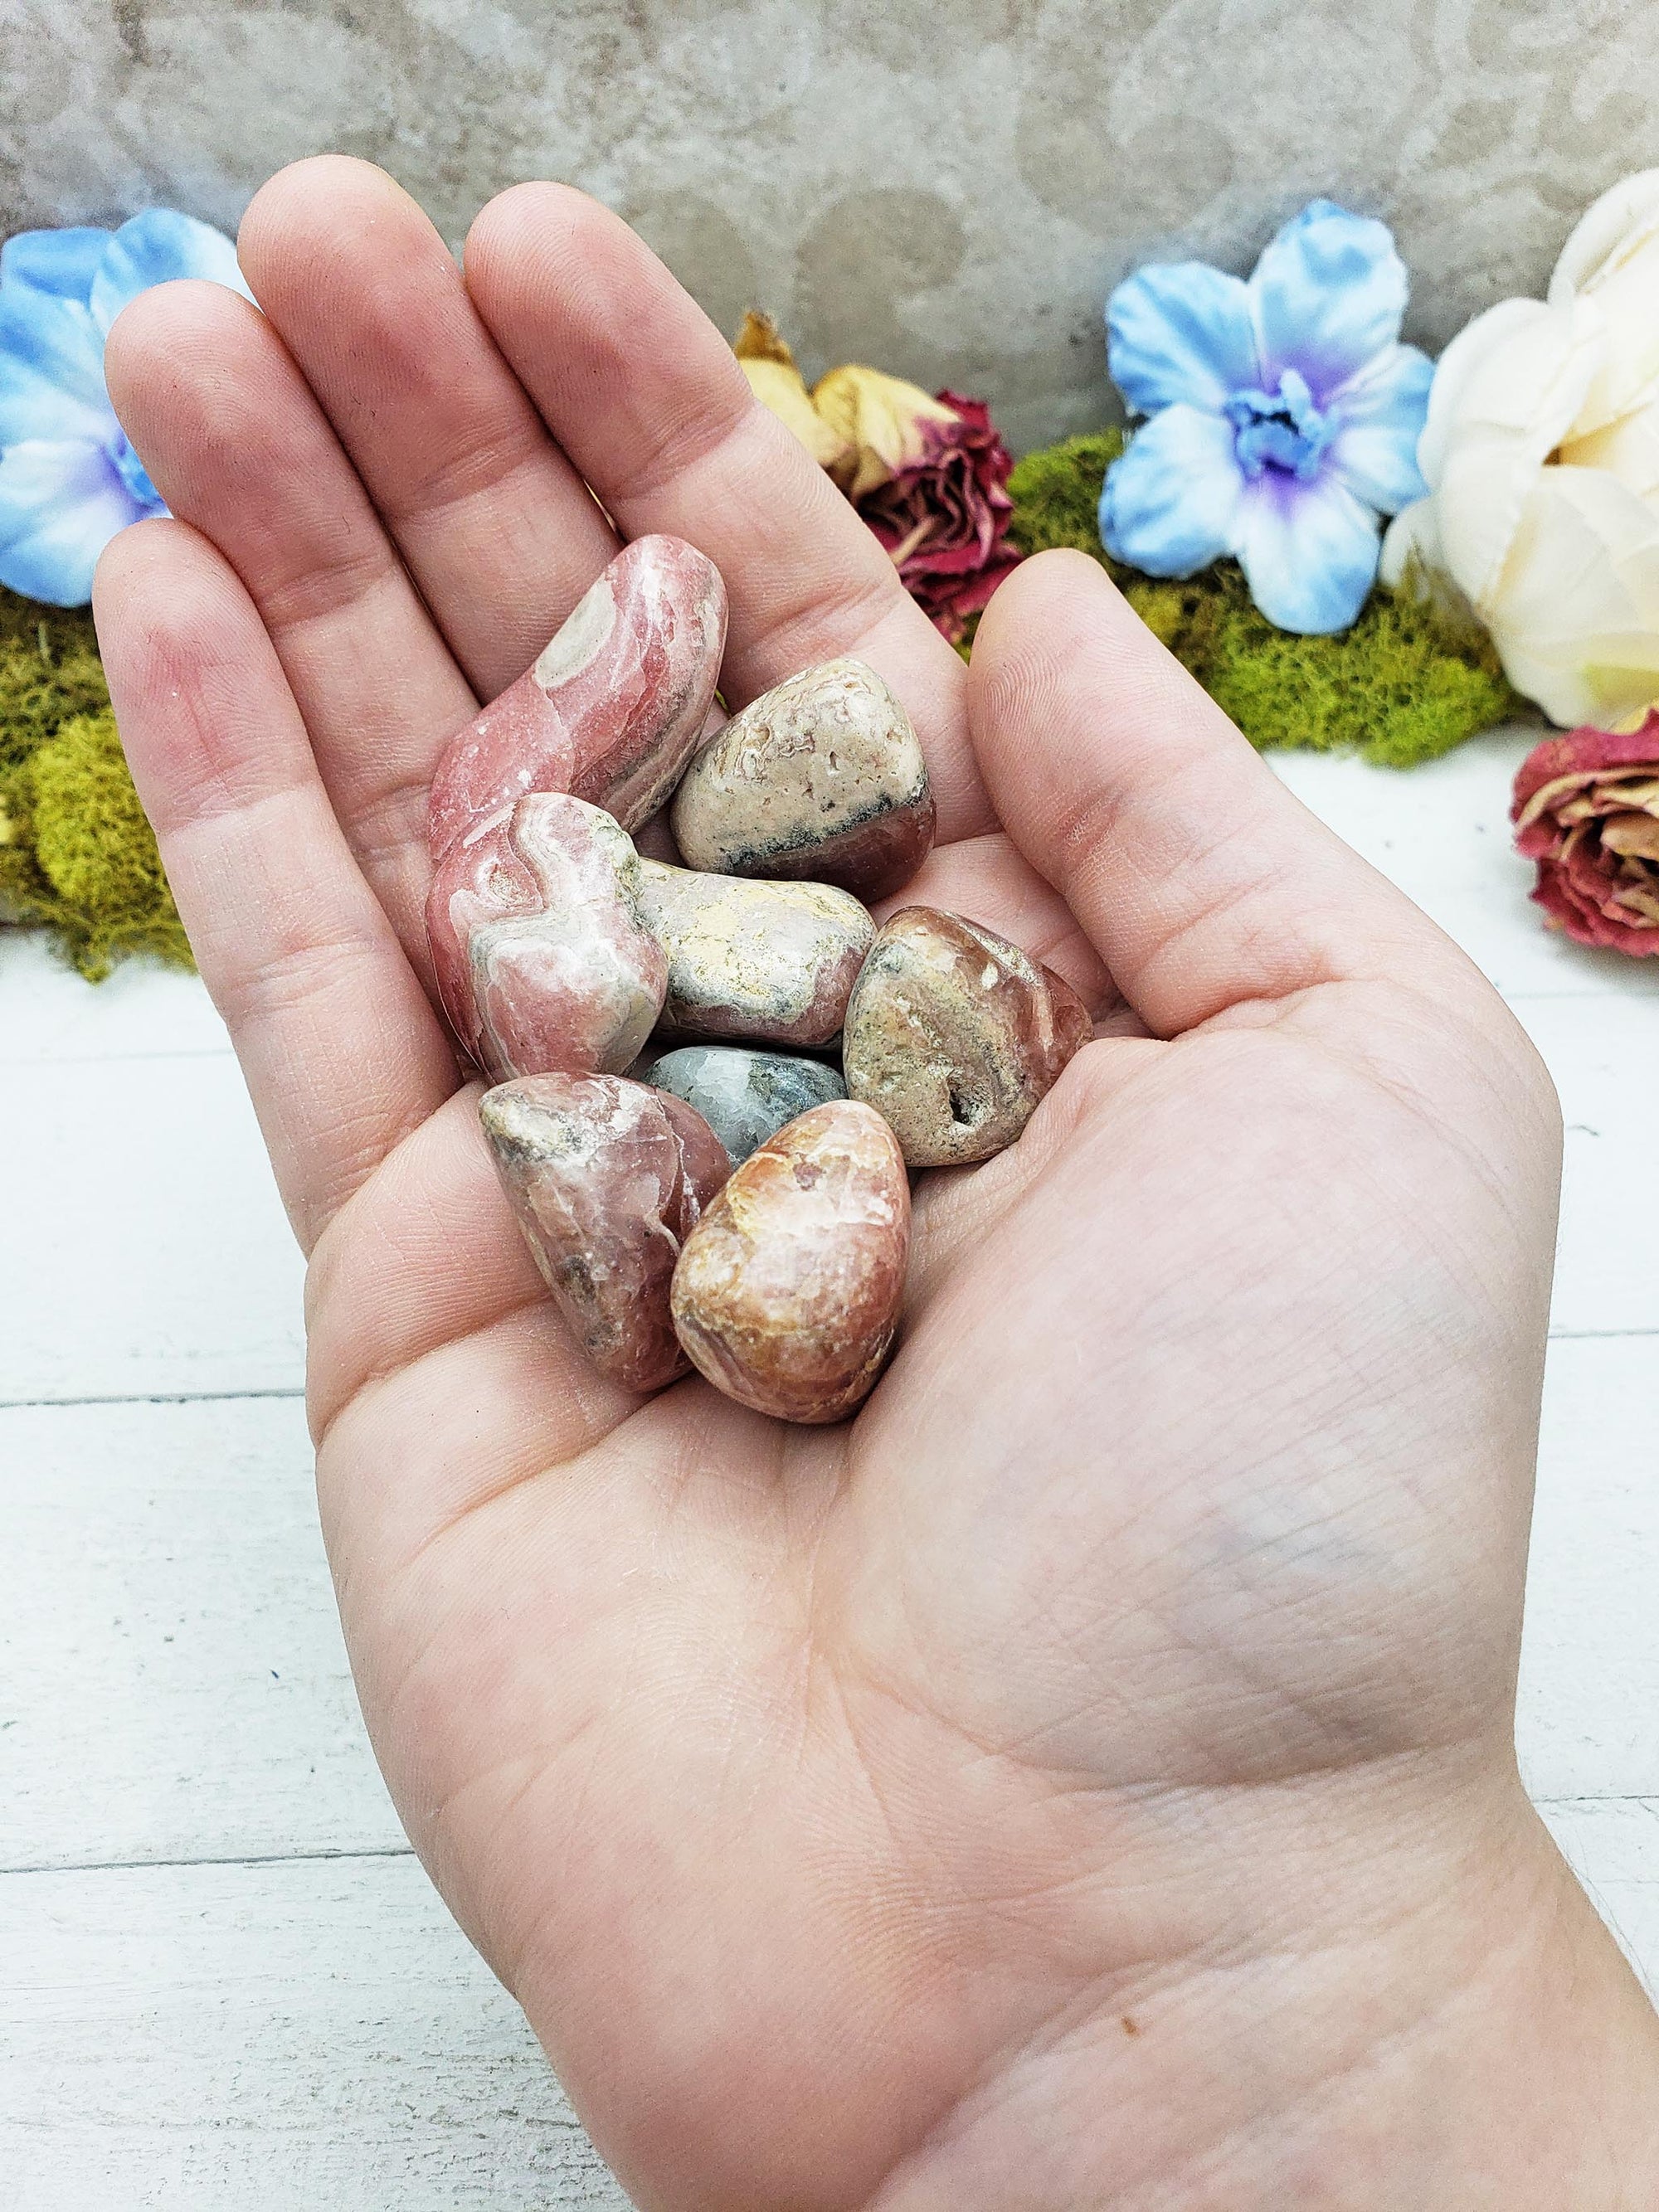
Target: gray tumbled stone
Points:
x,y
744,1097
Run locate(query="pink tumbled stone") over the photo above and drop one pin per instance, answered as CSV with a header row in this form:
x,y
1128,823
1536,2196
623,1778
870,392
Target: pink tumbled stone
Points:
x,y
543,960
788,1292
613,708
607,1178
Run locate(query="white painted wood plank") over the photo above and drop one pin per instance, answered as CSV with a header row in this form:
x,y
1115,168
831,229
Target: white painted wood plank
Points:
x,y
312,2037
1612,1844
1442,832
141,1010
152,1253
172,1680
1588,1721
175,1684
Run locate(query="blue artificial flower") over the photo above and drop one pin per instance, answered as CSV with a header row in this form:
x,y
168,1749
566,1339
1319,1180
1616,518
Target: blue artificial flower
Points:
x,y
69,479
1284,417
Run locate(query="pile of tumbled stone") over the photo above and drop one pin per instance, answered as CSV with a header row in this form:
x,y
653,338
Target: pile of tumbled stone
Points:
x,y
739,1203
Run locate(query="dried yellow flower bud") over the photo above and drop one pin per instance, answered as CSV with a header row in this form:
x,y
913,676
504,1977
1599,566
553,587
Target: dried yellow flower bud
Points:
x,y
879,420
780,388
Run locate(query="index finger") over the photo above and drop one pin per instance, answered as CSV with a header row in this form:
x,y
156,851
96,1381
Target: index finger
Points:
x,y
645,397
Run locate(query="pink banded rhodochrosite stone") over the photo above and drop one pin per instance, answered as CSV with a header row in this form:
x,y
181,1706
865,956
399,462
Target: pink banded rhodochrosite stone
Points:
x,y
542,956
612,708
607,1178
786,1293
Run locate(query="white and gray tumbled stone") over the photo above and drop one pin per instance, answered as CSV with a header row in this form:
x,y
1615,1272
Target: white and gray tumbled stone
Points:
x,y
744,1097
753,962
822,777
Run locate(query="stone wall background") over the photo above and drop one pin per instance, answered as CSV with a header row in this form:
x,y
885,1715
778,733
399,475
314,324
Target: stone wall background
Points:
x,y
948,188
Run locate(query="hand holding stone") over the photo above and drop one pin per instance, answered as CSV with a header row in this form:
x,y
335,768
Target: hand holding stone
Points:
x,y
836,1800
557,948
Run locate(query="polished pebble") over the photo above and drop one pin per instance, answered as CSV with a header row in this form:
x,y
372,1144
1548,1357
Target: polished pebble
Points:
x,y
744,1097
954,1036
786,1293
607,1178
822,778
771,963
543,956
612,708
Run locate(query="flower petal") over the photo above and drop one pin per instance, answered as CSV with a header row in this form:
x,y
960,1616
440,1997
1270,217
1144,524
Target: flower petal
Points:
x,y
1509,409
153,248
51,368
1168,505
879,421
1179,332
1308,551
782,391
60,504
1612,258
1578,626
1328,292
1469,352
1623,223
1382,410
1413,540
1627,449
59,262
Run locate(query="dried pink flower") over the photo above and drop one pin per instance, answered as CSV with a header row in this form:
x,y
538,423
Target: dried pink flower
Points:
x,y
1587,810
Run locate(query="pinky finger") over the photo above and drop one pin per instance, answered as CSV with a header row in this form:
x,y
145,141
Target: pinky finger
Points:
x,y
341,1051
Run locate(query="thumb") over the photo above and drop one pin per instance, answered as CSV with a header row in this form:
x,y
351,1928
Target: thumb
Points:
x,y
1201,881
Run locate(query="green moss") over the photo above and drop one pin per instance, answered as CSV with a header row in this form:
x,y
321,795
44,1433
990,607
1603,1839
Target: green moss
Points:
x,y
1056,494
1406,683
76,852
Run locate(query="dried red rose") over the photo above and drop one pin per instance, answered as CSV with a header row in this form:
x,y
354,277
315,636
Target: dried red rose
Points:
x,y
928,475
944,518
1587,810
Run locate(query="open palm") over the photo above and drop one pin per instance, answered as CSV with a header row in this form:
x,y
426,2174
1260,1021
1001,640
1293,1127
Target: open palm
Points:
x,y
929,1811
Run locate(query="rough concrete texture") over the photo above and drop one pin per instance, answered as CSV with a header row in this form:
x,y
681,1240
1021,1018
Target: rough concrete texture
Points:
x,y
946,187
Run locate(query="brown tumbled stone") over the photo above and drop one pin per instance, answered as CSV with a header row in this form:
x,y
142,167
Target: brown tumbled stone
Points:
x,y
762,963
820,778
953,1036
607,1178
787,1294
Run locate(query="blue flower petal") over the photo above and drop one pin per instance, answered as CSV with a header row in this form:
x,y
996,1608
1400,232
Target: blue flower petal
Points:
x,y
51,368
1170,505
1382,412
1308,551
60,504
60,262
153,248
1179,330
1329,292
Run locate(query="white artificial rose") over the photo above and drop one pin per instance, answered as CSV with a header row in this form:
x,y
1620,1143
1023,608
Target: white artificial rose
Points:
x,y
1541,455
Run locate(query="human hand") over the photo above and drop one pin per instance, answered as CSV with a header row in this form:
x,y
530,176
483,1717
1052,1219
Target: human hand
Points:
x,y
1085,1779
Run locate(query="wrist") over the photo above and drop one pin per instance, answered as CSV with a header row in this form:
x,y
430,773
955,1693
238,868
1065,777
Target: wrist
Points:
x,y
1423,2016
